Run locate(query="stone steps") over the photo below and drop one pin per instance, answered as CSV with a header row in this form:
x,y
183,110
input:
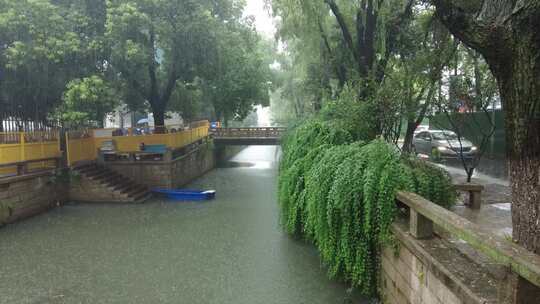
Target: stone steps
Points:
x,y
121,188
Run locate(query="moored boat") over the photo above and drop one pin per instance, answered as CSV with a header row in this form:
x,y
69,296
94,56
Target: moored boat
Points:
x,y
186,195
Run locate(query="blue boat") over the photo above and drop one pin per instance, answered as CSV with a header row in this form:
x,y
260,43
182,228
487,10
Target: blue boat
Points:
x,y
186,195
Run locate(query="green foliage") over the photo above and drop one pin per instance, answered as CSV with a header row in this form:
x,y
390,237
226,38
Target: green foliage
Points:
x,y
43,46
430,182
160,47
87,101
348,113
238,78
308,136
341,196
159,55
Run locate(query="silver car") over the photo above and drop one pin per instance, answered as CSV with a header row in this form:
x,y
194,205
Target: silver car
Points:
x,y
438,144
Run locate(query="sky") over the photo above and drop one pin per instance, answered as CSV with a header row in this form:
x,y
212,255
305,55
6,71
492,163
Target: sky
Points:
x,y
265,26
263,20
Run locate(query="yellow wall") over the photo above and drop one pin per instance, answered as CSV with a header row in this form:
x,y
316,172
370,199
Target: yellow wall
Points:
x,y
86,149
23,151
80,150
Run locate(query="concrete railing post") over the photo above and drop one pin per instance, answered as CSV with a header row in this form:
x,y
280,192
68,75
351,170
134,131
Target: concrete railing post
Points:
x,y
475,200
420,226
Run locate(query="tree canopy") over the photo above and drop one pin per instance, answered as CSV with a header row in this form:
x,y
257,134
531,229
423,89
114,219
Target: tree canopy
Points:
x,y
150,52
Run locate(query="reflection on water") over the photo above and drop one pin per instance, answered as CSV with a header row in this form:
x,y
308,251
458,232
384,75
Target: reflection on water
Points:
x,y
230,250
234,164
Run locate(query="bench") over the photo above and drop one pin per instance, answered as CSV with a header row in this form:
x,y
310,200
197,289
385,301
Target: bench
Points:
x,y
158,149
22,166
475,193
149,152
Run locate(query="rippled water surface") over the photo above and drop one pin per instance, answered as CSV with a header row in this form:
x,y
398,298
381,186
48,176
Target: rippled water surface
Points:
x,y
230,250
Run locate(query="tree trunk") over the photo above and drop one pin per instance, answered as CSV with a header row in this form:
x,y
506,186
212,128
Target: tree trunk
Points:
x,y
470,173
520,90
159,120
409,135
506,33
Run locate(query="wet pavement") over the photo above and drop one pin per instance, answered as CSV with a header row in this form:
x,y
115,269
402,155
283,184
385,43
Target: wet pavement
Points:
x,y
230,250
495,214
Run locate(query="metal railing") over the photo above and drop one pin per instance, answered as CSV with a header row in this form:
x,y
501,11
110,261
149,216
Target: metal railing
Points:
x,y
248,132
424,214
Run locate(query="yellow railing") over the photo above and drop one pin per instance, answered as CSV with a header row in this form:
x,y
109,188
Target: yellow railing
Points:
x,y
20,146
84,146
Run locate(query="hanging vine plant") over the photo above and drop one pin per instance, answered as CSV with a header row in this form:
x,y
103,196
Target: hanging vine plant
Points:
x,y
341,196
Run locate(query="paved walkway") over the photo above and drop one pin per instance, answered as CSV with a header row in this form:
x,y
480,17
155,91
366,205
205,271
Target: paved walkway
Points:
x,y
495,213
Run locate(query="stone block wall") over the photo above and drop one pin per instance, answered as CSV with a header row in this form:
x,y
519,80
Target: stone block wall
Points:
x,y
436,272
26,196
224,153
191,166
406,280
169,174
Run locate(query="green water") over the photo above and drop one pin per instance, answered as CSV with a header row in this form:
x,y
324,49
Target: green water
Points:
x,y
230,250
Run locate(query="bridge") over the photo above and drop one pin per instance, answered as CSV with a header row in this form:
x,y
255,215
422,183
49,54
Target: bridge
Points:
x,y
248,136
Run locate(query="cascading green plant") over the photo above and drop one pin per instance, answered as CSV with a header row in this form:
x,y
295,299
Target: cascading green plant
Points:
x,y
301,150
341,196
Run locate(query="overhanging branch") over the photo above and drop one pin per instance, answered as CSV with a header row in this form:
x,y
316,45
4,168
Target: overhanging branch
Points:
x,y
344,28
484,35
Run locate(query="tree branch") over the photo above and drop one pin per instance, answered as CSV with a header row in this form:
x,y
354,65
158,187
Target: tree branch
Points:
x,y
340,73
134,83
171,85
343,26
426,105
360,37
484,35
153,94
369,36
391,41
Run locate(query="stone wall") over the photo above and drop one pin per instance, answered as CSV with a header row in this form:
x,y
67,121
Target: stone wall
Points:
x,y
169,174
437,272
224,153
193,165
26,196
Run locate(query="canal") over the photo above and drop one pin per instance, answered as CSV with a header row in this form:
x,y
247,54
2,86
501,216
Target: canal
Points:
x,y
230,250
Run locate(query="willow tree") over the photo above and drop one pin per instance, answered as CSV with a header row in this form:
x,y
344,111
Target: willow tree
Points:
x,y
354,40
368,30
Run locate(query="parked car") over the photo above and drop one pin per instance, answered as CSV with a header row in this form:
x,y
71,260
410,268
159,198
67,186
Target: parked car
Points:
x,y
438,144
421,128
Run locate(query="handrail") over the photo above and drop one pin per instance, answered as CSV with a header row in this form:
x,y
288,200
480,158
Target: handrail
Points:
x,y
34,136
27,146
520,260
200,123
265,132
22,166
40,160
